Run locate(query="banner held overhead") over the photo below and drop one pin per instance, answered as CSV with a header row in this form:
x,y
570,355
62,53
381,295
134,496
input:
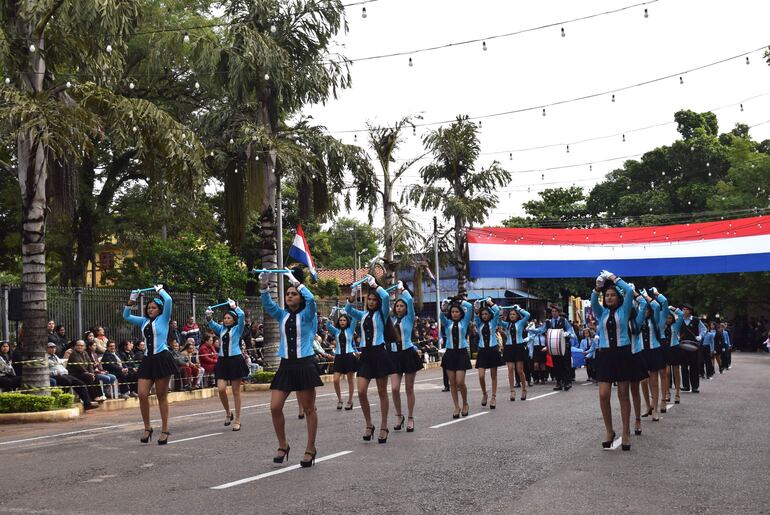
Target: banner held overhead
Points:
x,y
739,245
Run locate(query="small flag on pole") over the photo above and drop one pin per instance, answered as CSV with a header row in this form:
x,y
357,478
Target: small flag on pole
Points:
x,y
300,251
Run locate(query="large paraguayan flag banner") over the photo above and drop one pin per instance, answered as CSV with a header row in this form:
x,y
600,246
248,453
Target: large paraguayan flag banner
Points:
x,y
739,245
300,251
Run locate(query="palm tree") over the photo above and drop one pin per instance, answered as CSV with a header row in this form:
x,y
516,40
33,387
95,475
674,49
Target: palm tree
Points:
x,y
398,229
453,186
54,121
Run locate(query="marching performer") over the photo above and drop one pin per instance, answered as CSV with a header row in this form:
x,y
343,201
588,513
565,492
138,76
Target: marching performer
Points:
x,y
515,350
671,320
297,371
691,330
557,329
405,355
375,362
230,364
456,360
345,355
614,362
653,353
488,357
158,365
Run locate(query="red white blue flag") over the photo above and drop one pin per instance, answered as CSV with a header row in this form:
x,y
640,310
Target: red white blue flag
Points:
x,y
300,251
741,245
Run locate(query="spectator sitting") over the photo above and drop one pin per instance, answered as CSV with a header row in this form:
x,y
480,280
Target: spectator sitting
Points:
x,y
139,349
60,377
174,334
253,367
191,361
8,378
324,360
58,337
126,355
207,355
80,366
191,330
104,377
127,378
101,340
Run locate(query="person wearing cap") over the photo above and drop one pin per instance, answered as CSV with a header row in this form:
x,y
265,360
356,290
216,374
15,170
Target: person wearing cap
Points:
x,y
516,348
61,377
562,365
345,355
692,330
158,366
230,364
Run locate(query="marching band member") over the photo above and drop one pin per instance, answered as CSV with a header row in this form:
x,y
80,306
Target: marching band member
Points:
x,y
670,321
345,360
230,364
488,357
556,330
614,360
158,365
691,330
516,349
456,360
375,362
406,356
653,353
297,371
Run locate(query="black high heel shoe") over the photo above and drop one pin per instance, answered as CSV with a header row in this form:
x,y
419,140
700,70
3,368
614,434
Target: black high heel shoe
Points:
x,y
410,429
311,461
145,439
349,406
608,443
383,440
400,425
625,446
279,459
464,413
637,432
369,433
484,399
163,441
228,419
647,414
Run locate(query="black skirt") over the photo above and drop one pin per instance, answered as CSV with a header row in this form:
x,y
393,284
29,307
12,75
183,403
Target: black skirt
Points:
x,y
230,367
514,353
655,359
158,366
538,356
489,357
345,363
295,375
674,356
618,364
456,359
375,363
407,361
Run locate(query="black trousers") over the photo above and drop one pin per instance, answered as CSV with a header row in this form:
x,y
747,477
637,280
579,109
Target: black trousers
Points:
x,y
726,358
446,378
10,382
78,387
691,363
562,369
707,364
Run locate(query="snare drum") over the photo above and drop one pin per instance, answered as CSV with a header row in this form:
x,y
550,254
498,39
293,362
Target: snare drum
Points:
x,y
556,340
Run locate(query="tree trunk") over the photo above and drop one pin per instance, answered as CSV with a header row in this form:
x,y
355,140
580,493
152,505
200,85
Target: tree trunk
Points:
x,y
387,230
32,178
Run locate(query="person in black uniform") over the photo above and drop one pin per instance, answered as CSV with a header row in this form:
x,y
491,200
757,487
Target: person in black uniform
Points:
x,y
692,330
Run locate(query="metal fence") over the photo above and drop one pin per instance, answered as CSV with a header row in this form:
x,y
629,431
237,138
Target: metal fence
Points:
x,y
82,309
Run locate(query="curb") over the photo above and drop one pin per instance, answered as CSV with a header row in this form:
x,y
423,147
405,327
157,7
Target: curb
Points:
x,y
119,404
61,415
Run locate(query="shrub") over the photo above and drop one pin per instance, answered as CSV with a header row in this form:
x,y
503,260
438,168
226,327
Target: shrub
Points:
x,y
261,376
26,403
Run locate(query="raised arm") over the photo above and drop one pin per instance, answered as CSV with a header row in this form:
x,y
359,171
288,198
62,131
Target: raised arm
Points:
x,y
640,312
168,305
311,309
596,306
133,319
332,329
353,312
384,302
214,326
468,312
663,315
270,307
407,298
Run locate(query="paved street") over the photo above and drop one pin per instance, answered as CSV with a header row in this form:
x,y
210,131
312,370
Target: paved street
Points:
x,y
708,455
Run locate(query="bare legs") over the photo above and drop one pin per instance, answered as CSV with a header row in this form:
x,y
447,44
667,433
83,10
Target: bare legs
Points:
x,y
277,400
350,376
646,393
337,388
457,383
654,385
143,391
605,394
522,378
363,399
306,399
625,411
637,400
395,390
511,388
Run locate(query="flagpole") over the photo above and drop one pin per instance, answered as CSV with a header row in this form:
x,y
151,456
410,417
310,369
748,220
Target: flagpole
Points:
x,y
437,275
279,225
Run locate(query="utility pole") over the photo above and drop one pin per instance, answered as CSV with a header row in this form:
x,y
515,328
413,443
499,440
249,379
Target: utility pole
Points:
x,y
436,266
279,226
355,255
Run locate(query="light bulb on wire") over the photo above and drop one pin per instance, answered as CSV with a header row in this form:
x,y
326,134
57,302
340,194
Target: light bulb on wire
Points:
x,y
563,34
131,85
613,97
484,46
544,111
273,28
69,84
267,76
32,48
197,85
741,107
510,156
567,149
186,37
109,48
7,80
410,62
747,60
363,12
681,80
646,13
624,138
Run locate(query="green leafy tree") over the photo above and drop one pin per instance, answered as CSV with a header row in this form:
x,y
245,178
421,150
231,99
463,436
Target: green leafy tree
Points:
x,y
53,124
453,186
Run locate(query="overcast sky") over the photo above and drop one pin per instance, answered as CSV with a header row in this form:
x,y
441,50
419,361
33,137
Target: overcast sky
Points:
x,y
541,67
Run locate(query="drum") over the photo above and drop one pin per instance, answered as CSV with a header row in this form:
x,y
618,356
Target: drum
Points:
x,y
556,340
689,345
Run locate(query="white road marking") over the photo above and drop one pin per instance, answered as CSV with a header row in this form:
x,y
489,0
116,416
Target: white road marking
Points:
x,y
540,396
193,438
276,472
459,420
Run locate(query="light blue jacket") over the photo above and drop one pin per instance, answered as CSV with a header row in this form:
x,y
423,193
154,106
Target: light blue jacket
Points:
x,y
407,323
516,330
153,329
348,335
235,334
462,324
492,326
621,315
378,319
305,324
